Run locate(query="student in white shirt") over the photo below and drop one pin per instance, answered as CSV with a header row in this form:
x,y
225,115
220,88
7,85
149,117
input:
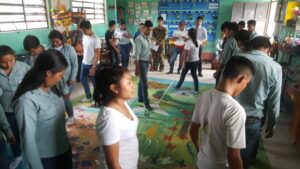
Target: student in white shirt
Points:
x,y
91,54
222,119
179,36
191,59
116,124
201,37
125,45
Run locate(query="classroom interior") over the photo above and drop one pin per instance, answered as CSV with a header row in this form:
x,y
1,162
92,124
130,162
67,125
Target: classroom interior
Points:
x,y
161,144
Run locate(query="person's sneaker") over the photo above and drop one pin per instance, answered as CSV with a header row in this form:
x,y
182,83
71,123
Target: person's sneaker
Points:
x,y
148,107
178,72
94,104
169,72
84,100
15,163
195,92
200,75
70,121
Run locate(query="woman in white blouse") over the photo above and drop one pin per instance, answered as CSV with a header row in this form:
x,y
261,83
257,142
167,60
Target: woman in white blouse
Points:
x,y
116,124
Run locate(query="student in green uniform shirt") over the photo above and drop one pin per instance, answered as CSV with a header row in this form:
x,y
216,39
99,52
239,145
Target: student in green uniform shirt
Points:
x,y
39,108
229,48
70,74
4,130
11,74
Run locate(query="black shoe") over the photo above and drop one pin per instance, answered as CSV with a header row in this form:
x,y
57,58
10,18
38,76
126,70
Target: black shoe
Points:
x,y
200,75
169,72
148,107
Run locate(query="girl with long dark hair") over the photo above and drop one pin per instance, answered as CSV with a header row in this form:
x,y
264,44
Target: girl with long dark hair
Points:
x,y
68,51
191,59
39,109
116,123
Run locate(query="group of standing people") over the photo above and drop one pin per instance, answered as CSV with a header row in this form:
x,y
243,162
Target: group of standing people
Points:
x,y
247,93
35,94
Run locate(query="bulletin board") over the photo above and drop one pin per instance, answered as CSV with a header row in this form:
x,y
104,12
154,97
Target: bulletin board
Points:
x,y
138,11
174,11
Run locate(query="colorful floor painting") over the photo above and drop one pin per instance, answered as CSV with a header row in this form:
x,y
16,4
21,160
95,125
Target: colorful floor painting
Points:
x,y
163,133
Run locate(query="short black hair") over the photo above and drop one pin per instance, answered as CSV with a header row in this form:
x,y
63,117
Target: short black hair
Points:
x,y
56,34
111,23
242,36
85,24
251,22
6,50
233,26
31,42
160,18
242,23
260,42
200,17
236,66
141,24
224,25
122,22
148,24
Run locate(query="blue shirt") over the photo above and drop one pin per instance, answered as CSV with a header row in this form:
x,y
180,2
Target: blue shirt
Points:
x,y
69,52
229,49
41,120
4,125
9,84
142,48
264,90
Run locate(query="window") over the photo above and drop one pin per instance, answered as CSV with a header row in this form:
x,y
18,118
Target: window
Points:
x,y
94,9
22,14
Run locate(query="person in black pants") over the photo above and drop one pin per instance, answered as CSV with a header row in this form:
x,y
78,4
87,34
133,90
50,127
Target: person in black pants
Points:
x,y
192,59
110,39
201,35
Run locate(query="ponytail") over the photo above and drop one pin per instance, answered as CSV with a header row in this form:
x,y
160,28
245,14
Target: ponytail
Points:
x,y
32,80
51,60
192,35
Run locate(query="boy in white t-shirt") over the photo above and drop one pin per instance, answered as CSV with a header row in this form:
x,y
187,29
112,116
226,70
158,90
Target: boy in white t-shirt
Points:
x,y
91,54
222,119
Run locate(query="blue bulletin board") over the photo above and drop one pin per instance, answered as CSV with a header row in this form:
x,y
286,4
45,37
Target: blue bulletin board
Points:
x,y
174,11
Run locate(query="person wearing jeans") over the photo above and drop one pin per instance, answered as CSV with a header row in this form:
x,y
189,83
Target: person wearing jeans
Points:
x,y
125,53
192,60
69,52
85,70
91,54
179,36
267,84
124,44
193,67
253,129
142,55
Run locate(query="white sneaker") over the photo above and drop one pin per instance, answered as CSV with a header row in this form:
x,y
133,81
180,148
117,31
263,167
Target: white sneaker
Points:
x,y
14,164
84,100
70,121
